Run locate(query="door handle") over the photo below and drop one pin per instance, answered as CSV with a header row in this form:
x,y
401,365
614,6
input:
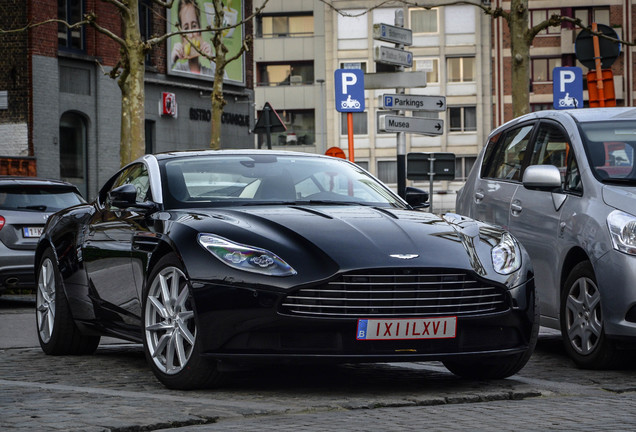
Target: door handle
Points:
x,y
516,208
479,196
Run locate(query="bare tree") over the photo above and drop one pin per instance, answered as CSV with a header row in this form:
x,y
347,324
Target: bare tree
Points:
x,y
130,68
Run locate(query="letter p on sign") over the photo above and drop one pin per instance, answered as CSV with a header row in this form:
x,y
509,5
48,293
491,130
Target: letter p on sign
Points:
x,y
567,77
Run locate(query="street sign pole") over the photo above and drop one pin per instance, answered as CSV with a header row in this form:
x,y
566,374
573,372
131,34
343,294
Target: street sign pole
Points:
x,y
599,70
401,136
350,136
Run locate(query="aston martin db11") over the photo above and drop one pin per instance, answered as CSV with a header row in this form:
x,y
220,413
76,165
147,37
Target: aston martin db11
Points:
x,y
221,258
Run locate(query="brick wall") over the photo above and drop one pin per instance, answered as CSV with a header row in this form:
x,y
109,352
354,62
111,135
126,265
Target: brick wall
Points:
x,y
13,66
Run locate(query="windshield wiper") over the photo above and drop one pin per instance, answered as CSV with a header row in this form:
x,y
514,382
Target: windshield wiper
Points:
x,y
34,207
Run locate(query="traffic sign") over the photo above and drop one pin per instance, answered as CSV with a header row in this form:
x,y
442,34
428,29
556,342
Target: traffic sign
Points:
x,y
567,87
349,87
419,125
413,102
609,50
387,80
389,33
393,56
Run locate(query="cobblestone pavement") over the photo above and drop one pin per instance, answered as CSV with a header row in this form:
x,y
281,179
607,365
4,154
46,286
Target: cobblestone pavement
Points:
x,y
114,390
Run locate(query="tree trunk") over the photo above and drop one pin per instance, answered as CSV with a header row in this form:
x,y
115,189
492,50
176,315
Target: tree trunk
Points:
x,y
520,55
131,83
218,103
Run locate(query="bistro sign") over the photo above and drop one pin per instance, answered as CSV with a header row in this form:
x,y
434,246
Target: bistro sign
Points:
x,y
199,114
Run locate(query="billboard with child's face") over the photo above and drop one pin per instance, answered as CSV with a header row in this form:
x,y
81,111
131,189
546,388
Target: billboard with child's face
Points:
x,y
186,53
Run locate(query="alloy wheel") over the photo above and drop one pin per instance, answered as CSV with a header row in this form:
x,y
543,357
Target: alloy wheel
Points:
x,y
584,323
170,330
45,300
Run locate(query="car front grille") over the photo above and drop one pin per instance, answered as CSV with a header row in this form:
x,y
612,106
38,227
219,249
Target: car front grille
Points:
x,y
398,292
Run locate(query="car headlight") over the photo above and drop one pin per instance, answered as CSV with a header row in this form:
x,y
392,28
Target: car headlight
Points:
x,y
506,256
244,257
622,228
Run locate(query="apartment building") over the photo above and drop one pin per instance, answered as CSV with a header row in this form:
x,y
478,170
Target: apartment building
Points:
x,y
451,45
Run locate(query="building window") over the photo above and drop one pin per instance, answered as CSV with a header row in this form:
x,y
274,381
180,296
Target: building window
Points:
x,y
73,134
387,171
599,15
145,23
463,165
462,119
424,20
363,164
270,26
360,123
71,12
542,68
431,67
354,65
534,107
301,129
460,69
538,16
275,74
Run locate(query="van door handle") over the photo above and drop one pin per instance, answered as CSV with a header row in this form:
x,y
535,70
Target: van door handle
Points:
x,y
479,196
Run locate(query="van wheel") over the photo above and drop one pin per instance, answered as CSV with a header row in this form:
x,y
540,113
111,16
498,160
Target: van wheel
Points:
x,y
582,321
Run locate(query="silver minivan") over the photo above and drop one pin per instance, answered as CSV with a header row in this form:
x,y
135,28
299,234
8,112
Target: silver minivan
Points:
x,y
564,184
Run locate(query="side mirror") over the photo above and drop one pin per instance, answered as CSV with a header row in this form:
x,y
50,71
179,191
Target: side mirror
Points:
x,y
416,198
542,177
123,196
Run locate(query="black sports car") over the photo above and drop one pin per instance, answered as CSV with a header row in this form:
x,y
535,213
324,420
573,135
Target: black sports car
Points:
x,y
231,257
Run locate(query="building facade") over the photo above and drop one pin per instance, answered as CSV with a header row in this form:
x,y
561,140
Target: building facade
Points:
x,y
556,46
63,111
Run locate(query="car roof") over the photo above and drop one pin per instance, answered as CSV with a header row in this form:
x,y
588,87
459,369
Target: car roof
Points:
x,y
237,152
582,115
31,181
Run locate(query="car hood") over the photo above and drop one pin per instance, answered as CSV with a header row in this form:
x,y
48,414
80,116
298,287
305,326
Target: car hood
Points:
x,y
620,197
354,237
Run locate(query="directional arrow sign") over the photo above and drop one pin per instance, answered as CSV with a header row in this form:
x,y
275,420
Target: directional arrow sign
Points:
x,y
389,33
393,56
413,102
419,125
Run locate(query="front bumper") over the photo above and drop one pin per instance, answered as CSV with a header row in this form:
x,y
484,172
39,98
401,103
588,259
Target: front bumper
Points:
x,y
616,277
243,324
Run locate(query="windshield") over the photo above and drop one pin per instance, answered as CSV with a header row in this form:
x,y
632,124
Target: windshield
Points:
x,y
610,150
37,198
221,180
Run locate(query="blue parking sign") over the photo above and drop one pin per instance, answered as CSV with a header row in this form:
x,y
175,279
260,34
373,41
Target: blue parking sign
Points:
x,y
567,87
349,87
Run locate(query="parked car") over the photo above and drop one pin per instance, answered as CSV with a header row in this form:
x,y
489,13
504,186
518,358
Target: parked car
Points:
x,y
25,205
564,183
232,257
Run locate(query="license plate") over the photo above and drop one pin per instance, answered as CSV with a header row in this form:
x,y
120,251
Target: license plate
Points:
x,y
32,231
407,328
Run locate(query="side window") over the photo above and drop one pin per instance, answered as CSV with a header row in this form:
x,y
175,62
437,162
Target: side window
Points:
x,y
137,175
507,158
551,147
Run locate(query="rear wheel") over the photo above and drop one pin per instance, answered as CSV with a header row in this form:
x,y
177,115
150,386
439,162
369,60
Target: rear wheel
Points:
x,y
171,334
57,333
582,321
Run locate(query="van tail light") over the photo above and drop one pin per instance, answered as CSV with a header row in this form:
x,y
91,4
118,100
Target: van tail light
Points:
x,y
1,222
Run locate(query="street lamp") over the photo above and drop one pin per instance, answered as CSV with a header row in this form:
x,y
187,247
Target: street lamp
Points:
x,y
322,114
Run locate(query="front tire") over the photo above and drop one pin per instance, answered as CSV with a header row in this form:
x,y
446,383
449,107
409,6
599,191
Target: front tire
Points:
x,y
171,335
57,332
582,321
